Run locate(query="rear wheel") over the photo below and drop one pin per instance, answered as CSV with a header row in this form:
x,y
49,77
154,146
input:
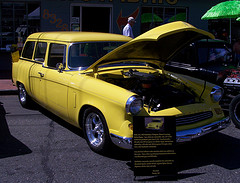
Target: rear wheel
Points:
x,y
24,98
96,131
234,111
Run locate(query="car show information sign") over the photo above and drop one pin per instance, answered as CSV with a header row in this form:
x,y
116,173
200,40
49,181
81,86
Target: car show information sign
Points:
x,y
154,143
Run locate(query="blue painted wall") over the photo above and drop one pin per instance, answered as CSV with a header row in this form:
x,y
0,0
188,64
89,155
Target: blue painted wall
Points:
x,y
55,14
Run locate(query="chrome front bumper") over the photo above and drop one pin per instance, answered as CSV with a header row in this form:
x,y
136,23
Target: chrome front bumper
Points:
x,y
181,136
123,142
188,135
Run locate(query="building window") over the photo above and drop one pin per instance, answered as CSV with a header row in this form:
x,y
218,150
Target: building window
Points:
x,y
154,16
18,20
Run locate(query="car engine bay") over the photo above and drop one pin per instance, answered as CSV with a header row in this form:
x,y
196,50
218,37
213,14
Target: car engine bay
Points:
x,y
158,91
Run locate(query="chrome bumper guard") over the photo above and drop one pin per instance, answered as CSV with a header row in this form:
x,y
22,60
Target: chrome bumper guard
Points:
x,y
181,136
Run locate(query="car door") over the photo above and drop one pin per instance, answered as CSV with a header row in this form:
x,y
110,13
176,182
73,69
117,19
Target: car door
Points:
x,y
37,73
56,80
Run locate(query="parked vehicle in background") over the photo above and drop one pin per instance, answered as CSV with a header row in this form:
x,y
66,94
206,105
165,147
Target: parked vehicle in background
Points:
x,y
213,61
204,59
92,82
231,86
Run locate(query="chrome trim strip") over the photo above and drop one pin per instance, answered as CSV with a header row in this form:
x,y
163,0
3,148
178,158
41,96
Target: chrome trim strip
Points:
x,y
181,136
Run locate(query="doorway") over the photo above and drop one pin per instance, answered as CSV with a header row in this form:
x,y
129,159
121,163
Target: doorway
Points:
x,y
91,19
95,19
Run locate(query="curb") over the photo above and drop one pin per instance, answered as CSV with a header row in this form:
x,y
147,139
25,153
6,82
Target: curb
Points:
x,y
8,92
7,87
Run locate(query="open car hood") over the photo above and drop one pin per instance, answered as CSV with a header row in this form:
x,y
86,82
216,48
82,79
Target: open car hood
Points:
x,y
156,46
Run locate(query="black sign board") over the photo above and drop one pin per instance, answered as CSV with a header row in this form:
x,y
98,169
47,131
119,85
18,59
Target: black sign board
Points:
x,y
154,143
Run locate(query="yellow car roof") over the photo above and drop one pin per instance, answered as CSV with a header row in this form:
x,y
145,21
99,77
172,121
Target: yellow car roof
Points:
x,y
71,36
157,45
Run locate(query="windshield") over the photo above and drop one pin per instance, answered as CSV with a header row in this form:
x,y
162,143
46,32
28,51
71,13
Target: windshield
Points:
x,y
213,54
82,55
205,53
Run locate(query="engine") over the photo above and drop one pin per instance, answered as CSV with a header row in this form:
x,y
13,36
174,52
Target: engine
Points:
x,y
157,91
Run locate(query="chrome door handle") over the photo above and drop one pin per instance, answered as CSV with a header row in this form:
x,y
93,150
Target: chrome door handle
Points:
x,y
41,74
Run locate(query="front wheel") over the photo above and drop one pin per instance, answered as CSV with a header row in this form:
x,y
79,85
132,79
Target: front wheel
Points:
x,y
96,130
234,111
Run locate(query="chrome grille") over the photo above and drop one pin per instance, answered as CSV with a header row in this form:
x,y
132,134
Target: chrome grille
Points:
x,y
194,118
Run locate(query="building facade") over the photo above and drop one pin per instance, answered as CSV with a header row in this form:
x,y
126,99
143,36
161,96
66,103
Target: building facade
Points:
x,y
20,18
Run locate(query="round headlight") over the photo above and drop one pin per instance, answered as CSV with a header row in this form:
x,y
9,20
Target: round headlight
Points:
x,y
134,105
216,93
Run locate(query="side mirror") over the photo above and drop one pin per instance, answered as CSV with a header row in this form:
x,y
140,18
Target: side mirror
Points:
x,y
59,67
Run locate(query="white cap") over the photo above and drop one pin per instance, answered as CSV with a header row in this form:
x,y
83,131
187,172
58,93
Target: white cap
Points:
x,y
130,19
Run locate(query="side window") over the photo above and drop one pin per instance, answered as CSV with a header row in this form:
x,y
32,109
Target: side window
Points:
x,y
40,51
57,54
28,49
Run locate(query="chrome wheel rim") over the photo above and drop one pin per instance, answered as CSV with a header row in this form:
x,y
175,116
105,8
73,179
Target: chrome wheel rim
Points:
x,y
22,94
237,111
94,129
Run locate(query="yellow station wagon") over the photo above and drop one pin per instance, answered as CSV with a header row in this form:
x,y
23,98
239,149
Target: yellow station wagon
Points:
x,y
99,81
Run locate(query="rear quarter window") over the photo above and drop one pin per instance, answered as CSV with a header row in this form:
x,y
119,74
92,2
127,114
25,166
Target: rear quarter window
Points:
x,y
40,51
28,50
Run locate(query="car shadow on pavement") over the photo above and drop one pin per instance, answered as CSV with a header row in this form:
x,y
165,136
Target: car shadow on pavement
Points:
x,y
118,153
59,121
9,145
217,148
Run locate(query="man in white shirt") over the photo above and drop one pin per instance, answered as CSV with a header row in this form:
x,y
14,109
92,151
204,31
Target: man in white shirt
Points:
x,y
127,30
